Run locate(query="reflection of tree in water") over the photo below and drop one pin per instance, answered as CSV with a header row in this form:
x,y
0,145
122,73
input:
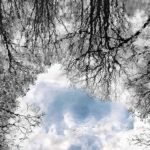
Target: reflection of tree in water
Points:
x,y
14,84
21,59
99,46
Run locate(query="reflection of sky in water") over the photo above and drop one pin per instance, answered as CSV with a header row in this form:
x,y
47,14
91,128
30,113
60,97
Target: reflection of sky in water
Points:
x,y
83,108
80,105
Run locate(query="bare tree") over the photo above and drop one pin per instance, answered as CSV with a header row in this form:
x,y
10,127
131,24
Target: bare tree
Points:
x,y
97,47
101,48
100,43
17,125
14,84
27,31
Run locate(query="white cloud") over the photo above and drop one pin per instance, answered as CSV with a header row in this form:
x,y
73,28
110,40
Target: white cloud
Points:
x,y
54,75
74,121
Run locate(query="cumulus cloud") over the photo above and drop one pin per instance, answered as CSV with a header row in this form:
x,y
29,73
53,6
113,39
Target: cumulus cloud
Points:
x,y
74,120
